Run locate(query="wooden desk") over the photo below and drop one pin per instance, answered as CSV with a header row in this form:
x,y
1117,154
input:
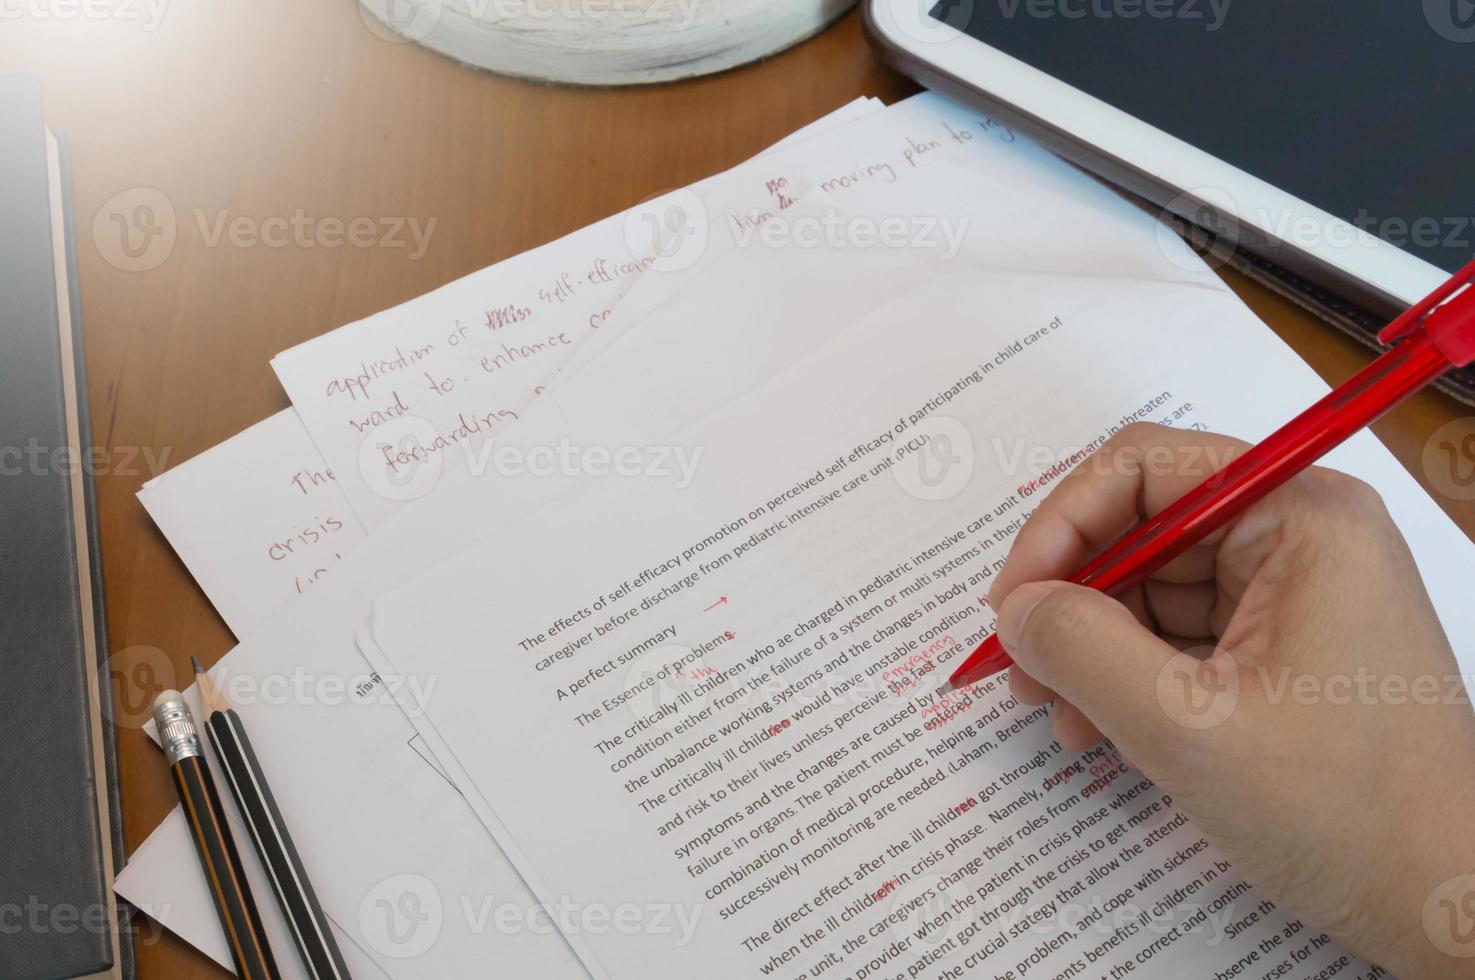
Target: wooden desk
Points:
x,y
263,109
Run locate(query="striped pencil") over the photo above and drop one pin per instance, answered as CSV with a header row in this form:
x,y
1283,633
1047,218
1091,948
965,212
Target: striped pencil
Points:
x,y
310,930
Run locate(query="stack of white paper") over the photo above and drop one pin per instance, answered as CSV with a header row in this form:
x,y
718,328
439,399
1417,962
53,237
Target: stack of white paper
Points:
x,y
651,671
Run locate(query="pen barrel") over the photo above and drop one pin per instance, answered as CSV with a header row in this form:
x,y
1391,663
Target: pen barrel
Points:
x,y
223,872
310,928
1408,367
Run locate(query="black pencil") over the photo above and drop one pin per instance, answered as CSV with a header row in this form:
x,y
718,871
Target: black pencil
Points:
x,y
310,929
217,849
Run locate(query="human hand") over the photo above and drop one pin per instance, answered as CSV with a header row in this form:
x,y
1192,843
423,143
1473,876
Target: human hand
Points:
x,y
1316,731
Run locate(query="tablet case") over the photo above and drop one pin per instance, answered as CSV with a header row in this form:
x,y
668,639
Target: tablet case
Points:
x,y
1294,275
60,822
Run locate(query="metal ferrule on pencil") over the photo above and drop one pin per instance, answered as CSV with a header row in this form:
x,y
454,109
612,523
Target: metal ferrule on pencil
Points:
x,y
177,730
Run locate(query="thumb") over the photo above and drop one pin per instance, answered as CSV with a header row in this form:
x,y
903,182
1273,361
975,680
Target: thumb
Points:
x,y
1091,651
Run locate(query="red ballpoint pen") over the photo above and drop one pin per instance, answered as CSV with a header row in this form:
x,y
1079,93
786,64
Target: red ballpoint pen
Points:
x,y
1432,338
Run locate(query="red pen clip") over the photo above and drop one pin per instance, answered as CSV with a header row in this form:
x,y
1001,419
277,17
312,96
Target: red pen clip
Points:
x,y
1447,314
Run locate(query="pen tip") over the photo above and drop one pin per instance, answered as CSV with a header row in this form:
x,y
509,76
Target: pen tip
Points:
x,y
195,661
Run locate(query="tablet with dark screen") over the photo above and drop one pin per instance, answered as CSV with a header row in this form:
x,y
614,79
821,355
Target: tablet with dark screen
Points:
x,y
1364,108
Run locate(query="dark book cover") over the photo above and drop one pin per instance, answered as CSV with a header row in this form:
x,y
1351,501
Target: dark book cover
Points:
x,y
60,822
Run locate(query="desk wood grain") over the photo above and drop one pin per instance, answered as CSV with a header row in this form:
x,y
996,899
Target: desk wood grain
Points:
x,y
280,107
